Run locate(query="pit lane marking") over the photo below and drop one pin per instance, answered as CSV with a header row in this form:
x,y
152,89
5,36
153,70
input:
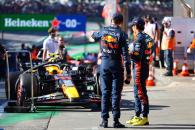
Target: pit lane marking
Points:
x,y
92,128
2,107
1,114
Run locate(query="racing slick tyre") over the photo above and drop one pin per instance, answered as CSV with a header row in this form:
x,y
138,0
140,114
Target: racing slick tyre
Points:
x,y
23,88
13,76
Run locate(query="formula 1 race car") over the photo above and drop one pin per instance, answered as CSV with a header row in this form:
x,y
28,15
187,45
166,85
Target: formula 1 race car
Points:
x,y
55,83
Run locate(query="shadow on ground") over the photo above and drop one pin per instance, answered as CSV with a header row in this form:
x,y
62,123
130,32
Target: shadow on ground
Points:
x,y
126,105
129,105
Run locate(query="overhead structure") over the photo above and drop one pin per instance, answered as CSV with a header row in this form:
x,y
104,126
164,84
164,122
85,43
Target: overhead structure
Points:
x,y
184,8
113,6
109,9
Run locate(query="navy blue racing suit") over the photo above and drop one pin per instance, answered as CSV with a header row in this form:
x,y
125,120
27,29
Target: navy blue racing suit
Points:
x,y
139,56
113,46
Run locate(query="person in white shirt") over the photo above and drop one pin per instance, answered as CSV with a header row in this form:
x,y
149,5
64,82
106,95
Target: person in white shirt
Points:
x,y
50,45
152,30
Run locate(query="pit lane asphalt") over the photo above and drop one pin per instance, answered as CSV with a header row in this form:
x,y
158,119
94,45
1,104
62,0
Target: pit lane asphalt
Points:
x,y
172,103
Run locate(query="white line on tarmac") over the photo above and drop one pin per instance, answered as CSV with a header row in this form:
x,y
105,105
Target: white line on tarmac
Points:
x,y
89,114
94,128
1,114
2,107
80,128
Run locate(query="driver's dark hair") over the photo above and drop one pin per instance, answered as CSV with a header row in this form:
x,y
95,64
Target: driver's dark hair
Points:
x,y
117,18
139,22
140,27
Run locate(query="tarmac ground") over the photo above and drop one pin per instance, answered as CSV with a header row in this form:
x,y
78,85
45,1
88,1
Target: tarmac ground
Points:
x,y
172,103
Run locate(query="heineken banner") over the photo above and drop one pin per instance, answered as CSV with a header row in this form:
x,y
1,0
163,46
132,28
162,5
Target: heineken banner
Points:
x,y
41,22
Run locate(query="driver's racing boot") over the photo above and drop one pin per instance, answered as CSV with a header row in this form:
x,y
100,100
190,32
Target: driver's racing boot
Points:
x,y
104,124
143,121
133,120
117,124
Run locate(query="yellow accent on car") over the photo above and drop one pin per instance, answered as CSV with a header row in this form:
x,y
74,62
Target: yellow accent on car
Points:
x,y
34,71
70,92
53,69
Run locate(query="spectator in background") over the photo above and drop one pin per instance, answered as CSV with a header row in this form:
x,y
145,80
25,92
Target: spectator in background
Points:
x,y
2,62
57,6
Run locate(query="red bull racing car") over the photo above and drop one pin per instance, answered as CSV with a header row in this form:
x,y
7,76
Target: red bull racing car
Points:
x,y
55,83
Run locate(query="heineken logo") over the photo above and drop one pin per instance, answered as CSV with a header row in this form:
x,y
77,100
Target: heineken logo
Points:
x,y
41,22
10,22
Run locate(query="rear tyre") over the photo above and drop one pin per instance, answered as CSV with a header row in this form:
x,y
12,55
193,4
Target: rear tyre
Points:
x,y
13,76
23,88
26,83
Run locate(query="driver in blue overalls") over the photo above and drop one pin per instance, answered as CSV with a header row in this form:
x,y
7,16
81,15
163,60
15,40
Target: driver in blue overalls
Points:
x,y
140,51
113,47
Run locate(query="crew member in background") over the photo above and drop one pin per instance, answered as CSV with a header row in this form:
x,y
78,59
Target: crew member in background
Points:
x,y
191,49
23,57
161,51
50,45
191,46
113,45
62,51
168,45
140,51
34,52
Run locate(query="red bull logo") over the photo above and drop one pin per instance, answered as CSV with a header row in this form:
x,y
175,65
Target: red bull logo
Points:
x,y
109,39
110,45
